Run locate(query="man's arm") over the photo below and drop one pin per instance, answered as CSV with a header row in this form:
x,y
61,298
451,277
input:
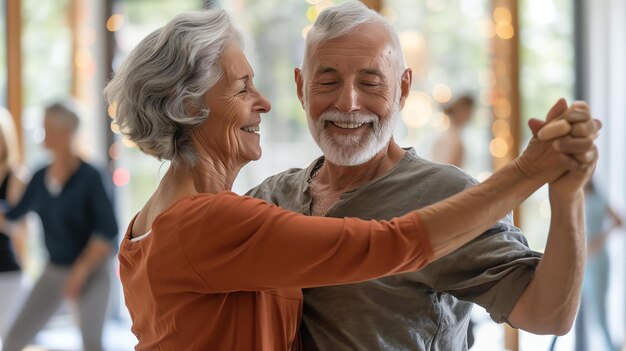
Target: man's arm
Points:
x,y
564,163
100,244
97,251
549,303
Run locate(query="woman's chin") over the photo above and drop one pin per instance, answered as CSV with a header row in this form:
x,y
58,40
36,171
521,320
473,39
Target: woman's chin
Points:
x,y
257,156
253,155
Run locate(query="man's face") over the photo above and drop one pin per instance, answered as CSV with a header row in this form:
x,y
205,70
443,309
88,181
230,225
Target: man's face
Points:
x,y
351,94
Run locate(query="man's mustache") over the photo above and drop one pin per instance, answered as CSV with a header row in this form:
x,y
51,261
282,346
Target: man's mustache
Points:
x,y
350,117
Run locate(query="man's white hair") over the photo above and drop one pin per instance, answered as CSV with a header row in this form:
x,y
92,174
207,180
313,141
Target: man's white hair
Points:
x,y
339,20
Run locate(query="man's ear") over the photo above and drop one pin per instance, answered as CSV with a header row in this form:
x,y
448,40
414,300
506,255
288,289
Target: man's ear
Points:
x,y
405,86
297,75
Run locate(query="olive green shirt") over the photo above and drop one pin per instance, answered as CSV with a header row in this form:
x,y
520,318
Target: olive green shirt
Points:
x,y
424,310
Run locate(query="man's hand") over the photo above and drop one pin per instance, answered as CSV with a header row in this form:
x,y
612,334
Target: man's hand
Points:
x,y
540,159
578,147
574,153
76,282
96,252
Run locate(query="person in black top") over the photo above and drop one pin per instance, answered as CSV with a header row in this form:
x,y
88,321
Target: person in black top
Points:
x,y
80,233
11,188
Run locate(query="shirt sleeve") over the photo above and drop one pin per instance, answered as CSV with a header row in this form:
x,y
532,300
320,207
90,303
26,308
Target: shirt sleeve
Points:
x,y
26,203
492,271
239,243
104,222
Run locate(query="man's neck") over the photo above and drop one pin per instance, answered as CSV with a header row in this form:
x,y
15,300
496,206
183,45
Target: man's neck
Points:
x,y
63,165
339,179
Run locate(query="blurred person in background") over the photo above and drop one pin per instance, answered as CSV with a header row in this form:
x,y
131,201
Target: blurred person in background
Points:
x,y
12,249
602,219
352,84
79,229
449,147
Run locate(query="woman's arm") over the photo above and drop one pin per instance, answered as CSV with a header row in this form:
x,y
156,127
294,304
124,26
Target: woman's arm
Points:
x,y
618,222
600,238
19,229
455,221
239,243
471,212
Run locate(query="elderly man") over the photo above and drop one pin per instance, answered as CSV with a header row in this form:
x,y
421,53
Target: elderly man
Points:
x,y
352,84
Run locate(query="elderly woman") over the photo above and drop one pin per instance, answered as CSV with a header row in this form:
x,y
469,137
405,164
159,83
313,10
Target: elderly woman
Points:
x,y
12,185
206,269
79,230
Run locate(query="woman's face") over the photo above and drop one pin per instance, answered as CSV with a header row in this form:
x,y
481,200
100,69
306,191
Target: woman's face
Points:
x,y
232,128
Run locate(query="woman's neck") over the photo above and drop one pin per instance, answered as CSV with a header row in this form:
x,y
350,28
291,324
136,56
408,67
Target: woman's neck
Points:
x,y
208,176
212,176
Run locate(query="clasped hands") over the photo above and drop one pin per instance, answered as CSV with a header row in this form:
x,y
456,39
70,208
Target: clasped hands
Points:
x,y
562,151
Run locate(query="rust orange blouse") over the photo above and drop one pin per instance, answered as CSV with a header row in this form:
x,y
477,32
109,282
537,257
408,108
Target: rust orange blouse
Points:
x,y
224,272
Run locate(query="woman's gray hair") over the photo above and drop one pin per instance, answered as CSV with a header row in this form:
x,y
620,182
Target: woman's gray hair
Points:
x,y
157,95
339,20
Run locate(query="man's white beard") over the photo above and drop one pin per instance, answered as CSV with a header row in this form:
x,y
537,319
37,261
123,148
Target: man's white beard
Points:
x,y
352,150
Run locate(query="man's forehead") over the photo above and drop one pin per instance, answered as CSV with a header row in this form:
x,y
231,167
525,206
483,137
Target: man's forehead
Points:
x,y
369,44
361,59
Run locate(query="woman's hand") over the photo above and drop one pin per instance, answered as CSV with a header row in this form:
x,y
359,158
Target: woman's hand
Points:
x,y
570,158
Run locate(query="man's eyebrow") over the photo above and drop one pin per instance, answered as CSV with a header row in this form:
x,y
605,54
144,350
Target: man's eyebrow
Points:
x,y
325,69
372,71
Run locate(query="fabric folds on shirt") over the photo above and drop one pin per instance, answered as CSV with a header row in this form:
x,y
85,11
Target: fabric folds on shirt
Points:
x,y
224,272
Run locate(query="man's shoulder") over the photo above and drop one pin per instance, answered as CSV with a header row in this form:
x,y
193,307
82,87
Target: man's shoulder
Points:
x,y
428,175
292,176
283,183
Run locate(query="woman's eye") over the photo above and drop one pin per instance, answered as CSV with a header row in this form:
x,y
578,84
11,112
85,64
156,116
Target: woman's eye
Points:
x,y
242,91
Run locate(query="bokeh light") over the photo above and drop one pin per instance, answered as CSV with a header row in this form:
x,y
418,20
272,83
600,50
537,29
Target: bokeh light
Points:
x,y
115,22
121,177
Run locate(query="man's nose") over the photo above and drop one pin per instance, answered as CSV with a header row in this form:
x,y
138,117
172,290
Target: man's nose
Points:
x,y
348,99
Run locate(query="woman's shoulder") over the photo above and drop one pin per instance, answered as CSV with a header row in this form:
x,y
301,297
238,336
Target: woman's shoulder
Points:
x,y
204,202
225,206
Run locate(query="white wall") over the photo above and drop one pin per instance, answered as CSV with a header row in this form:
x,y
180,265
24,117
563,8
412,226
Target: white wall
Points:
x,y
606,89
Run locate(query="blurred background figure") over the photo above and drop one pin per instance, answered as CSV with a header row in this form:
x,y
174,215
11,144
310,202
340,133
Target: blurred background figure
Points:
x,y
601,222
12,249
80,230
449,146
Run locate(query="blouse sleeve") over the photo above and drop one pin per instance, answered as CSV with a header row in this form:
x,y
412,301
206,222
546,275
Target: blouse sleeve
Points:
x,y
239,243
